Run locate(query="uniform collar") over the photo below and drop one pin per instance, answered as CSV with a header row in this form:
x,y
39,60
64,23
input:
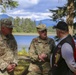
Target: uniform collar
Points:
x,y
41,40
3,36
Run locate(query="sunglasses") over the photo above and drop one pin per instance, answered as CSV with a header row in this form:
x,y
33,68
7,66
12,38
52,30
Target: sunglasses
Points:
x,y
44,31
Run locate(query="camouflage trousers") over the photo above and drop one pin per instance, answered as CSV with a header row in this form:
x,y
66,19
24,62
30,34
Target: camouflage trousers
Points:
x,y
34,73
6,73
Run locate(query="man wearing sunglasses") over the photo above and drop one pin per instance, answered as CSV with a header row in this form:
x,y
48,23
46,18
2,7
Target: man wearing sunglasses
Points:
x,y
40,51
8,48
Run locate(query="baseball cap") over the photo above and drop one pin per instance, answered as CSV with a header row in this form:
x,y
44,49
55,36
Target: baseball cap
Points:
x,y
62,26
41,27
6,22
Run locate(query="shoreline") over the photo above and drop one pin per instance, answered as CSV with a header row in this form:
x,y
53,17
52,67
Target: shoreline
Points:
x,y
32,34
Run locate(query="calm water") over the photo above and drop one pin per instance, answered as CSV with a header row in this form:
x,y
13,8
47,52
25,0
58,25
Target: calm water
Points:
x,y
25,40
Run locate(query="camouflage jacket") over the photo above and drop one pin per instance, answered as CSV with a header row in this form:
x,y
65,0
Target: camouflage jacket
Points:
x,y
37,47
8,51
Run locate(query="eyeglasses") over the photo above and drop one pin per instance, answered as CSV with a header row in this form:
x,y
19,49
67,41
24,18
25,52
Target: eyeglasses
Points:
x,y
44,31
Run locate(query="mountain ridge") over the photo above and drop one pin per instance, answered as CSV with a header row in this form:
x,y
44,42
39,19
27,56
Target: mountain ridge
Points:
x,y
3,16
47,22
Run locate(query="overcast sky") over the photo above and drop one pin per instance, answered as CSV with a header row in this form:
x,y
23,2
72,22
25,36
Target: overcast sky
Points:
x,y
35,9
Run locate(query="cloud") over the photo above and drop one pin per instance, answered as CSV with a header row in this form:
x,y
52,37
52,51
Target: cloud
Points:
x,y
35,9
31,15
39,5
27,3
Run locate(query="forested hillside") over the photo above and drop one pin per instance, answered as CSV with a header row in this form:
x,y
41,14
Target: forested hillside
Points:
x,y
26,26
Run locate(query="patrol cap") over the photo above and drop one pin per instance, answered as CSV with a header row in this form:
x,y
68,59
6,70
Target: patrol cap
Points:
x,y
6,22
41,27
62,26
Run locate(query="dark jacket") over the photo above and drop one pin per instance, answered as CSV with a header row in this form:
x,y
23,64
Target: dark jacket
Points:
x,y
59,66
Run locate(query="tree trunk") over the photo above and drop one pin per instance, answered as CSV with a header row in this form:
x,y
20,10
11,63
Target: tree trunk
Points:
x,y
70,15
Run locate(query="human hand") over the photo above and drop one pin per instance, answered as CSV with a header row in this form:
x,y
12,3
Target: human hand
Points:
x,y
11,67
42,57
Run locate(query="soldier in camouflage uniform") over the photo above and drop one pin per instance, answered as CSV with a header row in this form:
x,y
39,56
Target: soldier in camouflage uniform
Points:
x,y
39,52
8,48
